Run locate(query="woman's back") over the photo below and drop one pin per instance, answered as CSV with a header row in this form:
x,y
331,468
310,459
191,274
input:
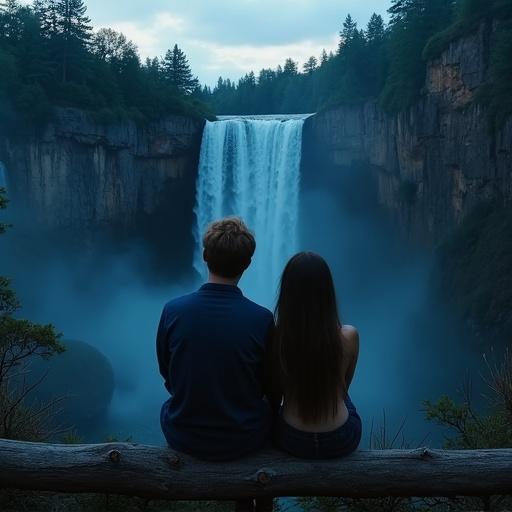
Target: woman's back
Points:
x,y
349,339
314,359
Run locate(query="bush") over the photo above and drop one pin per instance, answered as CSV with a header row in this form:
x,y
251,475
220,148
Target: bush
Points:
x,y
474,430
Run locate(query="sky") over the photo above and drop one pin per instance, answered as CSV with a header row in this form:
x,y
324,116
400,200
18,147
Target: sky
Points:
x,y
232,37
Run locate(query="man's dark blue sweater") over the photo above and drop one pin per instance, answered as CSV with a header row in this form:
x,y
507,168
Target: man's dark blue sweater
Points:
x,y
211,349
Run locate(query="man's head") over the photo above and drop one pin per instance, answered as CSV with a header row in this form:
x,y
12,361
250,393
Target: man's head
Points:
x,y
228,248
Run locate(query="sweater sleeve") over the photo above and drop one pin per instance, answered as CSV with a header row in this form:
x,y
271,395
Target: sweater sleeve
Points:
x,y
162,348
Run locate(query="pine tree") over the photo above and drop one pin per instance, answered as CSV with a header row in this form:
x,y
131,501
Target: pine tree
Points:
x,y
324,57
177,71
290,67
48,15
10,24
375,31
74,32
153,69
310,65
348,32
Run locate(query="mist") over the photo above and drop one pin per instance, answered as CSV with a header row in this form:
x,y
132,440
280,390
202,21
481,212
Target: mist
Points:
x,y
411,349
110,301
111,298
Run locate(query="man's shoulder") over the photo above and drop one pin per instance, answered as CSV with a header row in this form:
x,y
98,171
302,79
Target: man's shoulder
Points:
x,y
257,310
180,302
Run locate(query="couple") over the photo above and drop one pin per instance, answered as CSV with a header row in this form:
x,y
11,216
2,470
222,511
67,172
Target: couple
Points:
x,y
239,378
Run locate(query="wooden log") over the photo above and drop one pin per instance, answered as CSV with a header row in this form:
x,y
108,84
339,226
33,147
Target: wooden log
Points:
x,y
159,473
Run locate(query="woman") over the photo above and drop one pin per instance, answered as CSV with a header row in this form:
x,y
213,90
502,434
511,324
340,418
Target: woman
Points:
x,y
314,358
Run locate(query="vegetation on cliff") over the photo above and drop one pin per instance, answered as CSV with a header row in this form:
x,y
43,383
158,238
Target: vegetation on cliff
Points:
x,y
381,62
49,55
474,273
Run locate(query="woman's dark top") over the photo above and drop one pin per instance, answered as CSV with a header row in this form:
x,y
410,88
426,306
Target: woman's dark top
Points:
x,y
211,348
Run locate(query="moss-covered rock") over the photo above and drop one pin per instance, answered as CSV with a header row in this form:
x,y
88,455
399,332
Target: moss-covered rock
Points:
x,y
83,376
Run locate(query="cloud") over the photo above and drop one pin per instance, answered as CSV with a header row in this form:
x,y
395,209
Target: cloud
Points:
x,y
232,37
149,37
244,58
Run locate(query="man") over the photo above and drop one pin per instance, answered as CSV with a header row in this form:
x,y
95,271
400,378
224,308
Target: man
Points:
x,y
211,348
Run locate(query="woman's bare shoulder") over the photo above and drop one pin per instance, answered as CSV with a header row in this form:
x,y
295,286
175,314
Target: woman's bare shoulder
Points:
x,y
350,337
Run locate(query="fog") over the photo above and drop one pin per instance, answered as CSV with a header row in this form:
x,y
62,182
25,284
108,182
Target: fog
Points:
x,y
410,349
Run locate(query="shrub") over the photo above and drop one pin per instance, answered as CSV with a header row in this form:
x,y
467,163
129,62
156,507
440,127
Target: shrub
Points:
x,y
470,429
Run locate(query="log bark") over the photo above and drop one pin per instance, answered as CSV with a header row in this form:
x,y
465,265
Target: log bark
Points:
x,y
159,473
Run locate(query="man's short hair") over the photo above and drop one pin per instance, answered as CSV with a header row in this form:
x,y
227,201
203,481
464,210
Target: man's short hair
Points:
x,y
228,247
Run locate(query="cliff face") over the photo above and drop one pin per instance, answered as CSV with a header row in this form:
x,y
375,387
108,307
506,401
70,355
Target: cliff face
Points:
x,y
437,160
80,174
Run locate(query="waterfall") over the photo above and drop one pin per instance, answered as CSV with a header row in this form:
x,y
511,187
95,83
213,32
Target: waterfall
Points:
x,y
250,167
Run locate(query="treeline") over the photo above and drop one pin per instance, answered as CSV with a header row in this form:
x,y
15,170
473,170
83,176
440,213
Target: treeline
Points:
x,y
381,61
50,55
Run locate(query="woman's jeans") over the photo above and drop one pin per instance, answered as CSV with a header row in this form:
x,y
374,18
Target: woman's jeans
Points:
x,y
324,445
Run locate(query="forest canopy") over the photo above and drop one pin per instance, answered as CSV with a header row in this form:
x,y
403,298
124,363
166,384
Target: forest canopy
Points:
x,y
383,62
50,56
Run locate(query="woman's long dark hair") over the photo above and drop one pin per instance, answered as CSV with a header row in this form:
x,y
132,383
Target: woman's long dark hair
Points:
x,y
307,352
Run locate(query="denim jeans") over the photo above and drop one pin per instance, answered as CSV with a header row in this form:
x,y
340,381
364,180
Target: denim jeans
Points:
x,y
325,445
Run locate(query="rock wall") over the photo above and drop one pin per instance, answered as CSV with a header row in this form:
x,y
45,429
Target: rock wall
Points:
x,y
434,162
80,174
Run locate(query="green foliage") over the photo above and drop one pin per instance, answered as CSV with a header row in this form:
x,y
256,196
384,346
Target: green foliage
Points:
x,y
49,57
439,42
473,430
468,16
32,100
474,272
